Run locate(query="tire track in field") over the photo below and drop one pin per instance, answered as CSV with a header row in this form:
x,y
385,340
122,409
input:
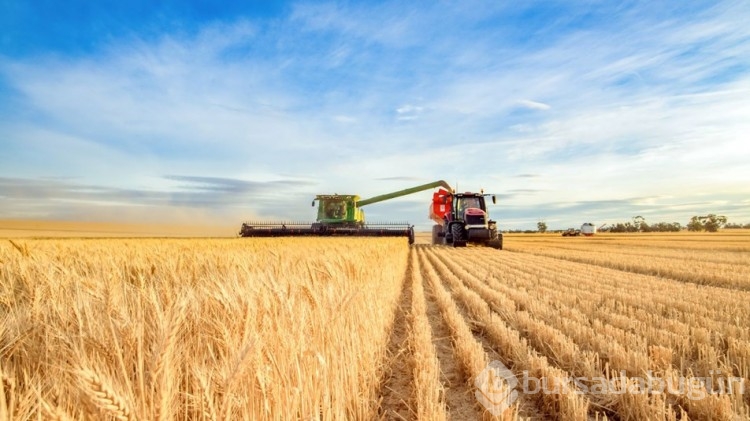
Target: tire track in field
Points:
x,y
397,392
459,396
397,388
527,409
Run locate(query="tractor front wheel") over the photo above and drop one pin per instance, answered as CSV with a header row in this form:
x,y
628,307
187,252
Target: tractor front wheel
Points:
x,y
459,235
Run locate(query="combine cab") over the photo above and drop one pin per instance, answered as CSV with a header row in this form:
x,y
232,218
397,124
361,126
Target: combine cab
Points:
x,y
340,215
462,218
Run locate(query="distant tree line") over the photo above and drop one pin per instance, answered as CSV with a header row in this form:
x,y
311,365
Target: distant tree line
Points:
x,y
709,223
639,224
732,226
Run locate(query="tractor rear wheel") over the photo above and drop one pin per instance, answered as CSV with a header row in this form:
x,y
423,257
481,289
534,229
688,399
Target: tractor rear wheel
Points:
x,y
459,235
436,230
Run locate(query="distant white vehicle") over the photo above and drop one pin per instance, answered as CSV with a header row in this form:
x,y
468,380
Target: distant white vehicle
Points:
x,y
588,229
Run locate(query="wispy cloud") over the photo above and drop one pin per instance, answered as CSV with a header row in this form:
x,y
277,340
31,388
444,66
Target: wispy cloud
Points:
x,y
399,178
189,191
533,105
408,112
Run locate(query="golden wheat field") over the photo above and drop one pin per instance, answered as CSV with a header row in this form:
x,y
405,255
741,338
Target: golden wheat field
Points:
x,y
344,328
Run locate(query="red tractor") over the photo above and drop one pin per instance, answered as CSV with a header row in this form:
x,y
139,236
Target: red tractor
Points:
x,y
462,218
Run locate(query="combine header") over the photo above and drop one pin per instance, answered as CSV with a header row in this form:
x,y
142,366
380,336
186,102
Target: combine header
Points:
x,y
340,215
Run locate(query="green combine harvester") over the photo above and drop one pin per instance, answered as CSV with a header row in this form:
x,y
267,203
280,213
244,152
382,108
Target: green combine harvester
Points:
x,y
340,215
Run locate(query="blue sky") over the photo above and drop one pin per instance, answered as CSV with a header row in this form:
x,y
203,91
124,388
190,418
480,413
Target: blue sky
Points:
x,y
200,111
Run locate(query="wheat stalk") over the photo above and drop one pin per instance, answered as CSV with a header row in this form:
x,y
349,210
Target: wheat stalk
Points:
x,y
207,406
6,383
53,413
164,363
309,296
23,250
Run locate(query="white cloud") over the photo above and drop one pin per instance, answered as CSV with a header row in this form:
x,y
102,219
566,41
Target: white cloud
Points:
x,y
408,112
533,105
344,119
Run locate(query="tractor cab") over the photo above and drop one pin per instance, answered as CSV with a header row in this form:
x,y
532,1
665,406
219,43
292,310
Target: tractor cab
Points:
x,y
469,201
471,208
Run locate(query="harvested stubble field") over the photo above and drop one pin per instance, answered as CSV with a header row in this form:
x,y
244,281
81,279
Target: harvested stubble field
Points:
x,y
369,328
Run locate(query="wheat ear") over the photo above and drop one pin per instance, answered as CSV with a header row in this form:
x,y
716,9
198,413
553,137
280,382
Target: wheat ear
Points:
x,y
103,396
